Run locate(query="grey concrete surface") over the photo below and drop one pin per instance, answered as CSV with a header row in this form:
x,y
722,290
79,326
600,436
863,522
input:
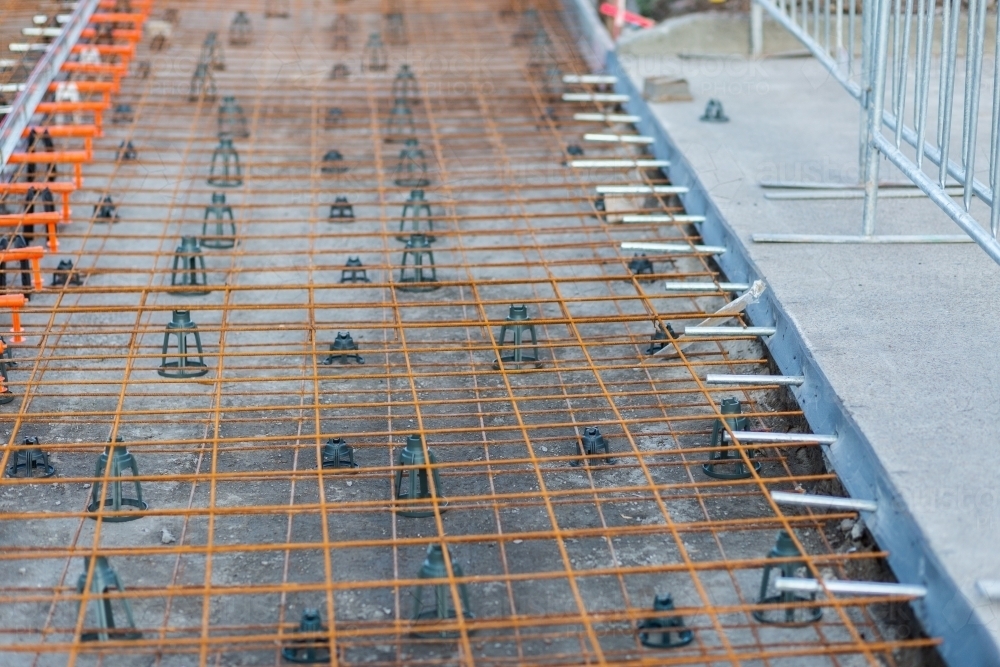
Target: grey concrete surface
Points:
x,y
707,33
905,334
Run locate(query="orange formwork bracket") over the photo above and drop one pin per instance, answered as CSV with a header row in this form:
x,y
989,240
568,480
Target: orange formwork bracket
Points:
x,y
123,34
119,17
14,302
62,188
75,158
95,108
105,88
63,131
115,70
141,6
125,50
33,255
50,220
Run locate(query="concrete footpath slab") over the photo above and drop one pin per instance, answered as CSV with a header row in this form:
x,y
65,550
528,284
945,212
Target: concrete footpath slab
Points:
x,y
898,342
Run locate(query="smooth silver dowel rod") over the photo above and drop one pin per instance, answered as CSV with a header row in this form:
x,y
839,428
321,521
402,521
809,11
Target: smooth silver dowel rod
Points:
x,y
730,331
672,247
606,117
663,217
705,287
718,378
874,588
619,164
41,32
831,502
641,189
594,97
589,78
618,138
764,436
22,47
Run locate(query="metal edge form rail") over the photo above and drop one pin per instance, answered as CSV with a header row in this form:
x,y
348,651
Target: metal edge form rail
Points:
x,y
42,75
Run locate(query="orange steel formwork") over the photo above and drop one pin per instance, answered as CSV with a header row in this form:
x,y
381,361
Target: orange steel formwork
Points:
x,y
243,530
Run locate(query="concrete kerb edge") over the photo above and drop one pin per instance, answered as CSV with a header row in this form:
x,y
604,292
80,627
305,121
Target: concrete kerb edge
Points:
x,y
593,41
945,612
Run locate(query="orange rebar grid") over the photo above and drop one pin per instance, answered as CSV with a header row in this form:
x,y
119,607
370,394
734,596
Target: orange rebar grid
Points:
x,y
244,529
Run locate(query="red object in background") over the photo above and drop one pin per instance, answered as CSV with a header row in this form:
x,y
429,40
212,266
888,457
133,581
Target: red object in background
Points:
x,y
608,9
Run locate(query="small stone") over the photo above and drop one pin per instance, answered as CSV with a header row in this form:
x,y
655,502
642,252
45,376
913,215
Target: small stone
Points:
x,y
846,525
263,562
858,531
58,502
22,570
86,486
166,537
518,541
544,448
350,483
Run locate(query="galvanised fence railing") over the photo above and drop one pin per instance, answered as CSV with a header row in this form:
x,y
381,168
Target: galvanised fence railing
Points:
x,y
917,69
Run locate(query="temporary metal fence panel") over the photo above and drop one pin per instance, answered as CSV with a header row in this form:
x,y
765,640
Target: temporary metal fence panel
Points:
x,y
901,73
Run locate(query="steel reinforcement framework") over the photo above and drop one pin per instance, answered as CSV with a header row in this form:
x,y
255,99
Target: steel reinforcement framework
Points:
x,y
353,364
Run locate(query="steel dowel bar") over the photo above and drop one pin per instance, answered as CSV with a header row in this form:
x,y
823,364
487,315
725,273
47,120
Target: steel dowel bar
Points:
x,y
875,588
641,189
619,164
45,71
594,97
606,117
831,502
730,331
705,287
41,32
793,380
672,247
658,217
590,78
764,436
618,138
